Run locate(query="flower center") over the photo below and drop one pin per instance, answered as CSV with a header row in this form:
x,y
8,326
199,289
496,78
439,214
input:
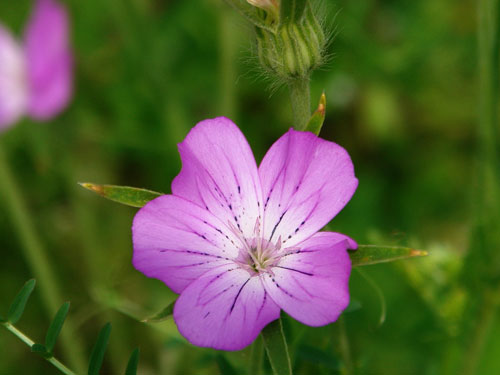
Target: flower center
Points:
x,y
256,254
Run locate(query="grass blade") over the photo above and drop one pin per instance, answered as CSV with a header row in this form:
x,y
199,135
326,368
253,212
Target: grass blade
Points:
x,y
133,363
373,254
126,195
162,315
17,308
55,327
99,349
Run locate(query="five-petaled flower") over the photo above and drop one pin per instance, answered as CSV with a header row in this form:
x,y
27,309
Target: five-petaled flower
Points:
x,y
239,243
36,75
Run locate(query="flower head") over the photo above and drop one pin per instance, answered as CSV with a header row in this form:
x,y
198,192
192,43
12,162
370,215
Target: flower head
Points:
x,y
239,243
36,77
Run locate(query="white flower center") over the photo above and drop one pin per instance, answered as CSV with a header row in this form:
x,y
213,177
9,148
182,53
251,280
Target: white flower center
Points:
x,y
256,254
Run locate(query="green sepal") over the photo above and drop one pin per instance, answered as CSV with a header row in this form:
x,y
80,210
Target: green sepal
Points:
x,y
373,254
164,314
126,195
133,362
55,327
41,350
99,349
17,307
318,117
292,11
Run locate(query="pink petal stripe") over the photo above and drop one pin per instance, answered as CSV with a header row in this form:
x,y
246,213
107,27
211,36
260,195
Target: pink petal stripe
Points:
x,y
305,181
311,284
49,59
13,95
177,241
224,309
219,173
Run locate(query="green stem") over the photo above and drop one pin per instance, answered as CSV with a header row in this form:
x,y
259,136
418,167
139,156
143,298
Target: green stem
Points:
x,y
345,350
277,348
480,334
35,256
61,367
300,95
488,212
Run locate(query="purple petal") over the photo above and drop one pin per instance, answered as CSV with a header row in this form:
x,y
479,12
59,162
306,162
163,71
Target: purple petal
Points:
x,y
13,94
311,284
219,173
224,309
177,241
305,181
49,60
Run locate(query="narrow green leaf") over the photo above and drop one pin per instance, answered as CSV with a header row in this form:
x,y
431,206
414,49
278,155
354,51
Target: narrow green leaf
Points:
x,y
225,367
19,303
55,327
129,196
277,348
133,362
373,254
97,355
40,349
318,117
162,315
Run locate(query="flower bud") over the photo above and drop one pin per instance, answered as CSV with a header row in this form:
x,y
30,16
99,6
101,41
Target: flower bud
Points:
x,y
294,50
269,5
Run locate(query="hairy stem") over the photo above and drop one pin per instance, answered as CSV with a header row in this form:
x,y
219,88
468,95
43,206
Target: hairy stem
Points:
x,y
34,254
300,95
54,361
277,348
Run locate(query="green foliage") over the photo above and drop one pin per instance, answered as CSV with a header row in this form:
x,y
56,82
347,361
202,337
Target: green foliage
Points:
x,y
162,315
55,327
97,355
17,307
133,363
318,117
373,254
126,195
277,348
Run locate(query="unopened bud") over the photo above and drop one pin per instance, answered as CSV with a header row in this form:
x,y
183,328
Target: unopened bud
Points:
x,y
269,5
294,50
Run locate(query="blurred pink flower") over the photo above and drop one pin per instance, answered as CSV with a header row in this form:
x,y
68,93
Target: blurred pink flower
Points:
x,y
239,243
36,77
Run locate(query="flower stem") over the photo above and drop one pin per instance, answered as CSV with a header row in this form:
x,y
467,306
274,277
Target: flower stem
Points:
x,y
300,96
35,255
488,200
277,348
61,367
345,350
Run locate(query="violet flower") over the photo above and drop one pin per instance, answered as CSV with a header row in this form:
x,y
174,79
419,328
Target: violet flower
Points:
x,y
239,243
36,77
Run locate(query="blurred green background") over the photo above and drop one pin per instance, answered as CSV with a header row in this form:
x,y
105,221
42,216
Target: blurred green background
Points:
x,y
401,87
